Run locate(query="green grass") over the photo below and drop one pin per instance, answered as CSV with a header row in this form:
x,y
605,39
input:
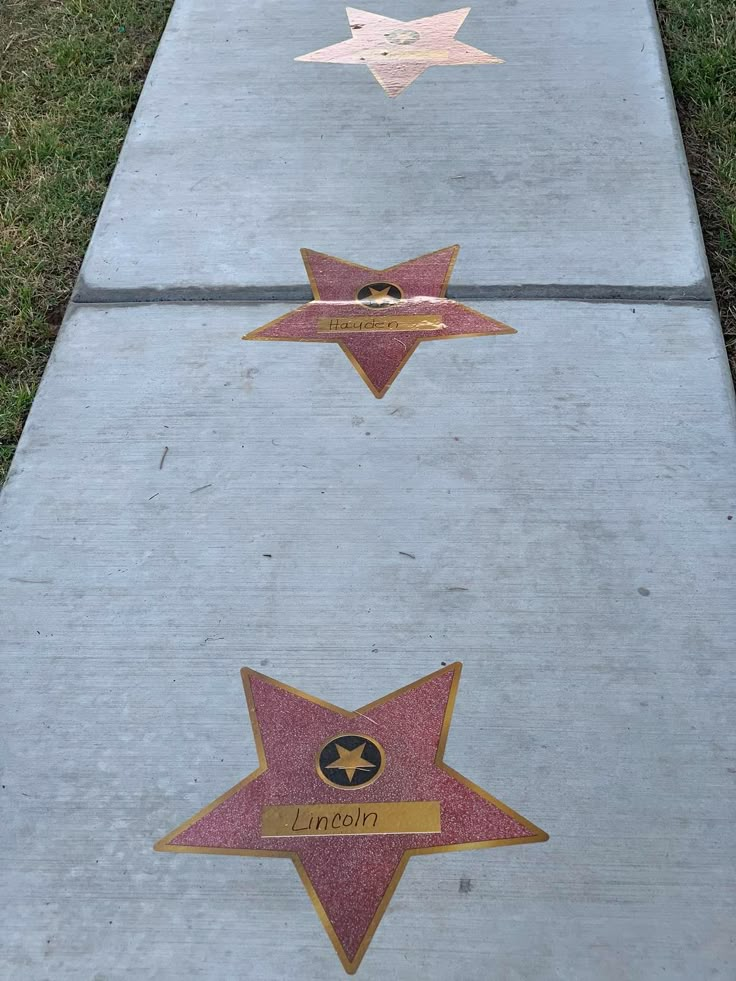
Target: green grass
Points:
x,y
70,75
700,41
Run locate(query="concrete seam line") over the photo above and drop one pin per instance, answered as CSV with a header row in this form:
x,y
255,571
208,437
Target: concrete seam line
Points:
x,y
697,293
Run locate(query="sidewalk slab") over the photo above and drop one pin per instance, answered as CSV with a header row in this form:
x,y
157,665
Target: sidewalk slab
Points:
x,y
560,169
549,507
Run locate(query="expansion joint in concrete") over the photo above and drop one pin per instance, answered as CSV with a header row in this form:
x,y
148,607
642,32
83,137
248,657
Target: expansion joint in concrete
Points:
x,y
697,293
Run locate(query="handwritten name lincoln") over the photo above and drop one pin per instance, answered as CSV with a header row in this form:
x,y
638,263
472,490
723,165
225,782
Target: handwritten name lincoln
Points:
x,y
376,818
351,817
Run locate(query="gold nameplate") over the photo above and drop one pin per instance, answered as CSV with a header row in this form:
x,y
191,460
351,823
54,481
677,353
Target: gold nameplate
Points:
x,y
354,325
412,55
395,818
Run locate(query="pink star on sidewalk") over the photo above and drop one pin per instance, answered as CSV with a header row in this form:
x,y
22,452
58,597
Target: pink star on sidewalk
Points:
x,y
350,873
397,51
379,316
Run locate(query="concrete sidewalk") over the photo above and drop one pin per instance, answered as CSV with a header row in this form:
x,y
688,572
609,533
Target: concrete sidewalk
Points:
x,y
553,507
559,171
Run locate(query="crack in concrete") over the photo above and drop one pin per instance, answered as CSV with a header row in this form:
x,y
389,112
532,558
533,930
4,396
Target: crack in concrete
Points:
x,y
594,293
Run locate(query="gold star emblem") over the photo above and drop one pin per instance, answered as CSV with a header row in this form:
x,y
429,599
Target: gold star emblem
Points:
x,y
351,760
380,296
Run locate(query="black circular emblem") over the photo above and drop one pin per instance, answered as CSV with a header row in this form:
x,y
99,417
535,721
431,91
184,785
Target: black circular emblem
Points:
x,y
402,36
378,294
350,761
